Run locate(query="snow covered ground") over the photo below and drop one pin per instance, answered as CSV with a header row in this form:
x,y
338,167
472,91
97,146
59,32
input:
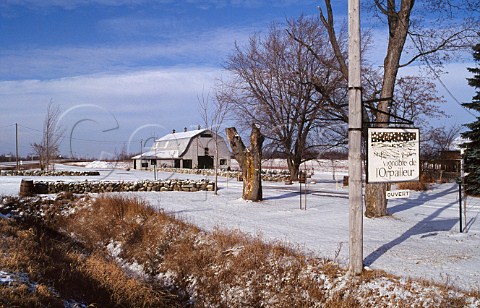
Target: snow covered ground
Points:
x,y
419,239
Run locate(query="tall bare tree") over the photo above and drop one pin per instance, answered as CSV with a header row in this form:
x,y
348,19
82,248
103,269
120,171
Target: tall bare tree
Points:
x,y
52,134
213,113
410,40
273,86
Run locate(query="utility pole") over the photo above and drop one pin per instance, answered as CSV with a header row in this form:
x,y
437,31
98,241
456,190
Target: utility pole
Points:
x,y
16,144
355,266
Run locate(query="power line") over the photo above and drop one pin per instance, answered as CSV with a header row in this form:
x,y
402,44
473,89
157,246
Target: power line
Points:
x,y
103,141
453,96
436,75
86,140
34,129
9,125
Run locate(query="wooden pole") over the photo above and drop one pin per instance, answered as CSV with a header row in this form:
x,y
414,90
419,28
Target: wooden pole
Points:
x,y
306,188
354,141
16,144
300,183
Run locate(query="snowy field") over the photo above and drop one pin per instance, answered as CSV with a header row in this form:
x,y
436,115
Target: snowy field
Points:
x,y
419,239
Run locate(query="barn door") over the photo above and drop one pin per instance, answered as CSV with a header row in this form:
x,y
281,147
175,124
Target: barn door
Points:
x,y
205,162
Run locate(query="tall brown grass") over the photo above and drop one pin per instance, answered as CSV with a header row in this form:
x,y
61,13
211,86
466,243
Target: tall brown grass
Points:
x,y
182,265
223,268
54,267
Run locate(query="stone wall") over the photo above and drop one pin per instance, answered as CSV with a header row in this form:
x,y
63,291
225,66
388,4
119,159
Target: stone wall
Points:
x,y
54,187
47,173
267,175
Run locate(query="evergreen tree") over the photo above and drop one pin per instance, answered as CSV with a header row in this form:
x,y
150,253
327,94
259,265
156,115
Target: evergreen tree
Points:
x,y
472,153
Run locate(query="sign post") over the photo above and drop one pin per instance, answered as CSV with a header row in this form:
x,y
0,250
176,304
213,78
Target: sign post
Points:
x,y
459,182
355,223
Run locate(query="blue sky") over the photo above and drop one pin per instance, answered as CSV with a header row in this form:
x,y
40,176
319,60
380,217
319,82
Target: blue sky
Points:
x,y
128,70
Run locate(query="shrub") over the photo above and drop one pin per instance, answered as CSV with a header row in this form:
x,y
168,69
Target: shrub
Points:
x,y
417,186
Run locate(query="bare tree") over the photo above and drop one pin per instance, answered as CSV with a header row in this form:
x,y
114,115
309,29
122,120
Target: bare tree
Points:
x,y
52,135
437,139
213,113
250,161
273,86
122,155
416,99
411,40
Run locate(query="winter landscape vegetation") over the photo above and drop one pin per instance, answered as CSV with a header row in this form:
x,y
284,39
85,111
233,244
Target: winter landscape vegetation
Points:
x,y
240,153
414,256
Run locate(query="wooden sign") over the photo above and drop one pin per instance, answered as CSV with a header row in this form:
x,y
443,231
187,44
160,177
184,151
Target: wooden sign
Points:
x,y
396,194
393,154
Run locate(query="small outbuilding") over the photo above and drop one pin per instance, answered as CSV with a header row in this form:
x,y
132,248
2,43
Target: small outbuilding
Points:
x,y
194,149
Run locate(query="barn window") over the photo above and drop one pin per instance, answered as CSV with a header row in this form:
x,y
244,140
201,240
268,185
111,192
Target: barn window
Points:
x,y
207,151
223,161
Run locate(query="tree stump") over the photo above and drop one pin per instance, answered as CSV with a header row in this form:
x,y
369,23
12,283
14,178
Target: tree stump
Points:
x,y
250,161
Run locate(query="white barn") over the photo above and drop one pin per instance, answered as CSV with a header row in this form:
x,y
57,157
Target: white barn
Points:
x,y
188,149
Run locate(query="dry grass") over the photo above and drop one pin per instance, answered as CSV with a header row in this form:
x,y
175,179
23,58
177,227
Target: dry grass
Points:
x,y
51,266
427,177
417,186
21,257
422,185
124,291
221,268
184,266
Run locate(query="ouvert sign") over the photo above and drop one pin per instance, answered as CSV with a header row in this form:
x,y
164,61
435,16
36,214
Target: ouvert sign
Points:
x,y
393,155
395,194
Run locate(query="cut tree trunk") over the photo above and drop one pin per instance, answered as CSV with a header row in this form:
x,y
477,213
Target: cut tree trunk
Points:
x,y
293,168
250,161
375,200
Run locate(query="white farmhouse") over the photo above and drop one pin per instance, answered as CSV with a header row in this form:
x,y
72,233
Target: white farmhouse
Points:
x,y
188,149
